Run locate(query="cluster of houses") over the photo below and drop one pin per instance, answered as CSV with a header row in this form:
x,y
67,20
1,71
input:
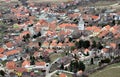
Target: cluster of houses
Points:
x,y
43,30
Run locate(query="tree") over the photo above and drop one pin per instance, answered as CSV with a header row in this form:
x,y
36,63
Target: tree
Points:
x,y
86,44
81,66
2,73
99,46
92,61
70,39
77,44
94,44
39,34
34,36
81,43
32,62
39,43
62,66
28,36
74,66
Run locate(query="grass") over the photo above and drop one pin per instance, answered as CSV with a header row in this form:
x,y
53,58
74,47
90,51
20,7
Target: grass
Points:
x,y
91,67
54,56
109,71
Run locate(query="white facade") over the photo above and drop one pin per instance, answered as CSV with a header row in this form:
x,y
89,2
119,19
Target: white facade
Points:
x,y
81,24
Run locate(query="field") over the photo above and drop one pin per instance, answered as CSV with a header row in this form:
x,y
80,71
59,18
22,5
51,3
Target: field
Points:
x,y
110,71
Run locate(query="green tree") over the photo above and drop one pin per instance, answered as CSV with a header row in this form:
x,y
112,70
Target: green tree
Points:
x,y
2,73
99,46
92,61
86,44
81,66
94,44
62,66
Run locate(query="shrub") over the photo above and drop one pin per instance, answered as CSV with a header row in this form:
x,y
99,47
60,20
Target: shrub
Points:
x,y
107,60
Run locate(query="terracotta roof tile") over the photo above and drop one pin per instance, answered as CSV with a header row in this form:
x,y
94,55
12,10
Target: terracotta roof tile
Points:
x,y
94,17
40,63
113,45
60,44
11,52
24,33
105,50
9,44
1,50
21,70
26,62
36,54
1,55
11,65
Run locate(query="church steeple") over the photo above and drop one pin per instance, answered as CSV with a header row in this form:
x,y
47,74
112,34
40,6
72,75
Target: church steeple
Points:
x,y
81,24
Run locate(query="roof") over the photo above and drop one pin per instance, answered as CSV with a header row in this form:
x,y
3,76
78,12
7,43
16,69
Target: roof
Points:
x,y
45,43
1,50
11,65
24,33
53,44
60,44
9,44
26,62
67,25
1,55
103,33
36,54
107,27
71,44
62,75
86,50
40,63
94,17
11,52
19,69
43,22
113,45
105,50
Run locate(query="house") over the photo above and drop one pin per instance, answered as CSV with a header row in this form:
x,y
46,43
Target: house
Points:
x,y
38,65
45,44
36,54
26,63
60,45
11,65
8,46
53,45
11,52
1,49
105,53
3,57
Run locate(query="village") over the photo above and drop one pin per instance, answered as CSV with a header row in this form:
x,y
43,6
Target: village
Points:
x,y
68,39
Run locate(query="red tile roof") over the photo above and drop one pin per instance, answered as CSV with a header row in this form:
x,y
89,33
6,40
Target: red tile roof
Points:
x,y
1,50
94,17
9,44
1,55
40,63
21,70
105,50
26,62
11,52
24,33
11,65
113,45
